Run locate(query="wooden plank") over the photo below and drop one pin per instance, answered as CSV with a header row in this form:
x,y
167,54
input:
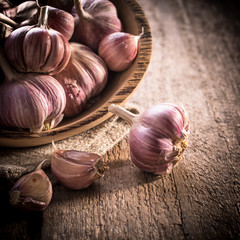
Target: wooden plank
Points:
x,y
195,62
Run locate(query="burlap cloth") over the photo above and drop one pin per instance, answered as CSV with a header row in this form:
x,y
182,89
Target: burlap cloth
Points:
x,y
14,162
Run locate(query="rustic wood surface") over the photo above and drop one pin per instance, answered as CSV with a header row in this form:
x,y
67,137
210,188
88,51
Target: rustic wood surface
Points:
x,y
195,62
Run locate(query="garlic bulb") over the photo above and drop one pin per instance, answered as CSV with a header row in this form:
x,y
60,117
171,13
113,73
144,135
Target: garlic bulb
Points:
x,y
158,137
94,19
84,77
58,19
32,192
32,102
37,48
76,169
118,50
61,21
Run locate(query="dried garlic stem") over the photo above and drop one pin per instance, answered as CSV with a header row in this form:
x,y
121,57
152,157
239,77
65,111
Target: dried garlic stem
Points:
x,y
43,17
100,167
7,20
38,5
131,118
80,12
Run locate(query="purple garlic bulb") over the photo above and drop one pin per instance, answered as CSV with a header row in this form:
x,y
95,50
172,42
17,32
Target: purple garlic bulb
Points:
x,y
94,20
84,77
38,48
118,50
32,102
158,137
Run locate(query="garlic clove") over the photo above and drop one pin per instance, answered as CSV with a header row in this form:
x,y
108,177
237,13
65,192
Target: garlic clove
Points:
x,y
77,182
32,192
158,137
94,20
76,169
118,50
31,47
80,161
14,56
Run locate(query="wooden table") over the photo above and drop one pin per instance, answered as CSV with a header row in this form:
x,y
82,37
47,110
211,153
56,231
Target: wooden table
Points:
x,y
195,62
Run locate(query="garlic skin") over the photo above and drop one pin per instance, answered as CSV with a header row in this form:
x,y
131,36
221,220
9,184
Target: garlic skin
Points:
x,y
32,102
76,169
158,137
118,50
84,77
37,48
94,19
32,192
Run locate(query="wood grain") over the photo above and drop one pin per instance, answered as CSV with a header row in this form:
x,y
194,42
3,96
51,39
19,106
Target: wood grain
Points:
x,y
195,62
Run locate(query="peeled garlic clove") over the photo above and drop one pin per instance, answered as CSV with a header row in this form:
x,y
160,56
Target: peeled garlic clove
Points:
x,y
118,50
32,192
84,77
37,48
158,136
94,20
76,169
